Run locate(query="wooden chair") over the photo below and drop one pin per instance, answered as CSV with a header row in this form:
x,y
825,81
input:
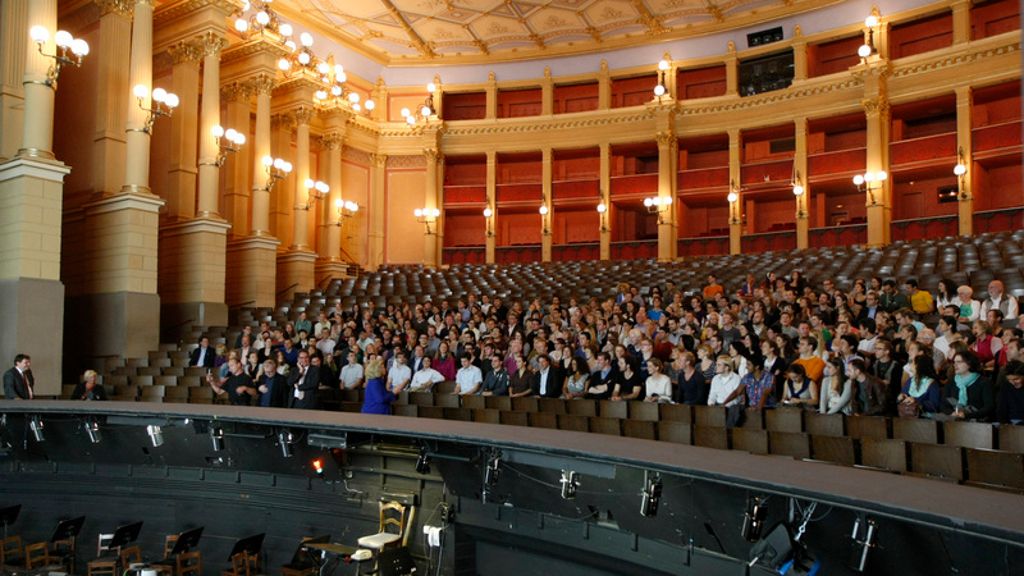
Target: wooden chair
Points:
x,y
392,528
105,564
643,411
936,461
551,405
525,404
130,555
12,553
239,565
639,429
750,440
514,418
610,426
37,555
884,454
543,420
613,409
676,432
189,564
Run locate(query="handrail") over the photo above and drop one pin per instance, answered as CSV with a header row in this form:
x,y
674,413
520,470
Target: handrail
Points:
x,y
243,304
279,292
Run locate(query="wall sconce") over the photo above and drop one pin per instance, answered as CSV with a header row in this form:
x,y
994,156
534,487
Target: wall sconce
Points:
x,y
602,215
277,169
315,190
660,89
70,51
869,182
427,216
228,142
544,211
658,205
262,19
346,209
868,48
798,192
302,58
960,170
164,103
426,109
489,222
733,197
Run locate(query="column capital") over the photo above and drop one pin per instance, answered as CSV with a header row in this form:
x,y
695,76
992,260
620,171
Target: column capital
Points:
x,y
379,160
120,7
185,52
235,91
666,138
332,141
432,154
303,114
878,105
211,43
284,120
261,84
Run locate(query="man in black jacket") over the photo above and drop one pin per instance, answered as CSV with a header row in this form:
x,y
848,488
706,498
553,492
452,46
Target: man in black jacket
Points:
x,y
547,382
18,381
273,387
304,381
204,355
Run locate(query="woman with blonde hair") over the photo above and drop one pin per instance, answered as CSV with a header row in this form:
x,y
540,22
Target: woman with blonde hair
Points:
x,y
89,388
378,399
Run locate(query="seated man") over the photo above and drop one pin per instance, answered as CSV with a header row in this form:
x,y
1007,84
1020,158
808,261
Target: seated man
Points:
x,y
496,383
1010,404
399,375
424,378
469,378
204,355
351,375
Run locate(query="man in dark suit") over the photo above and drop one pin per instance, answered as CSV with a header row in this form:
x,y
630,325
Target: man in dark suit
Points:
x,y
602,382
204,355
304,381
273,387
547,382
18,381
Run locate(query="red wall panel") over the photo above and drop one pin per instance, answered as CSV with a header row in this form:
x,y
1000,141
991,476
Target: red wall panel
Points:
x,y
518,228
575,226
465,174
464,194
476,255
779,170
999,221
920,198
997,111
575,98
997,136
835,162
518,103
991,18
464,106
576,189
921,35
519,192
921,149
633,91
835,141
636,184
774,214
834,56
576,168
998,187
706,178
704,82
464,230
705,159
703,246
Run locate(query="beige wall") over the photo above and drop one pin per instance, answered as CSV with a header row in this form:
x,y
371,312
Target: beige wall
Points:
x,y
355,180
403,234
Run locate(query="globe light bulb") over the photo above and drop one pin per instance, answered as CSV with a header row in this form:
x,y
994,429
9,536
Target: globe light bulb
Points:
x,y
798,190
140,91
405,112
172,100
959,169
418,212
341,78
80,47
663,65
335,90
864,51
488,212
240,139
732,197
279,164
262,18
602,208
339,70
858,180
659,90
63,38
320,95
268,161
218,131
871,21
370,105
322,187
356,107
882,175
648,202
39,34
543,210
310,183
323,68
241,25
353,97
425,111
338,204
306,39
305,58
431,87
283,64
410,119
351,206
285,30
287,167
159,94
290,45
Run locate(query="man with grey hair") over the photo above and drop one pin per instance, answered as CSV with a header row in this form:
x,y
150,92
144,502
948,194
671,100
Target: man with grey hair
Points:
x,y
998,299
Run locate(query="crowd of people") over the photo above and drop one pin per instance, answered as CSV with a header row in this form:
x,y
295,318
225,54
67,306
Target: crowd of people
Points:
x,y
877,348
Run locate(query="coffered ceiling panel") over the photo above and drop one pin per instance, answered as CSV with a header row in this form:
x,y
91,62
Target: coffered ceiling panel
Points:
x,y
440,31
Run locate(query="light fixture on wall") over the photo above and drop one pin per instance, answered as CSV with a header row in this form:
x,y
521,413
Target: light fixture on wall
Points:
x,y
602,216
346,209
733,197
870,182
544,224
489,221
334,94
661,89
302,60
798,192
70,51
163,104
426,110
257,17
315,189
427,217
867,49
960,171
228,142
277,169
659,205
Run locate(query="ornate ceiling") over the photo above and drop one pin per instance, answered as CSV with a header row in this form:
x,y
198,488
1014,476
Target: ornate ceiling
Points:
x,y
441,31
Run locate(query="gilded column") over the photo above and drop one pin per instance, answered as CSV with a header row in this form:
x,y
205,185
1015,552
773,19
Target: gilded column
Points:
x,y
802,199
547,93
875,73
668,151
137,139
262,85
965,192
549,217
605,218
799,55
961,21
179,190
491,223
375,218
431,252
211,45
13,34
736,188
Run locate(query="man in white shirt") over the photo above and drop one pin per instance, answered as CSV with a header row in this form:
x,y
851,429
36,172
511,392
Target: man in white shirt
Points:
x,y
352,373
999,300
399,375
325,344
425,378
469,378
724,383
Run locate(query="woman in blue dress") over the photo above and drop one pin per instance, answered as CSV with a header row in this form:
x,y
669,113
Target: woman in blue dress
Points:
x,y
378,399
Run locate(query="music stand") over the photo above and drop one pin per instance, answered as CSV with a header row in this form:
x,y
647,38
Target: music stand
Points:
x,y
187,540
8,515
250,544
302,554
67,531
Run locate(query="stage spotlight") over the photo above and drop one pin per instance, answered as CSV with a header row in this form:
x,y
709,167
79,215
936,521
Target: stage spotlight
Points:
x,y
35,424
491,473
423,462
217,437
285,439
775,549
156,435
318,467
569,484
753,519
651,495
863,541
92,428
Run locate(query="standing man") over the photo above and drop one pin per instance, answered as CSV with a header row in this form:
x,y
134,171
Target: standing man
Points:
x,y
273,387
238,385
18,381
304,381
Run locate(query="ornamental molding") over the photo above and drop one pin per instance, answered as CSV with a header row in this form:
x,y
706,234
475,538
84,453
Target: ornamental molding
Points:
x,y
356,156
185,52
253,47
407,162
543,125
175,10
955,60
123,8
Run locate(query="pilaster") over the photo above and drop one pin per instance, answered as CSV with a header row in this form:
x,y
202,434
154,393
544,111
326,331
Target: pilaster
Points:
x,y
801,200
236,170
491,97
961,21
668,153
604,87
965,192
547,93
375,218
735,187
431,200
179,188
732,71
13,24
606,198
546,219
491,233
875,73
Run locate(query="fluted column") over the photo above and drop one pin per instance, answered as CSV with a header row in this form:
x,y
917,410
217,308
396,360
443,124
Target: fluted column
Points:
x,y
606,198
209,172
37,133
736,187
431,253
332,143
799,55
491,224
375,218
179,187
13,45
262,86
965,192
876,110
668,150
546,219
802,200
604,87
302,194
961,21
137,139
237,171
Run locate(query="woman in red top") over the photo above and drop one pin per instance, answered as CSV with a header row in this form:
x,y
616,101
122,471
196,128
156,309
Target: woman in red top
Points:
x,y
986,346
